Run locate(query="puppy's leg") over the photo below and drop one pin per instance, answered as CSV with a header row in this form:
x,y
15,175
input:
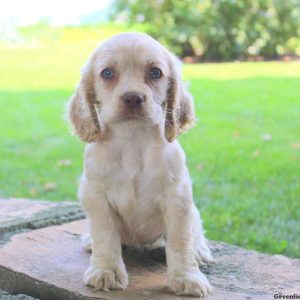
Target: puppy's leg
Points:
x,y
184,276
107,269
86,240
159,243
202,252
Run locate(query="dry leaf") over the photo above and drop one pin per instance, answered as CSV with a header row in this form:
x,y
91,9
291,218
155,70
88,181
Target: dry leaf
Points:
x,y
255,154
49,186
236,134
295,145
64,163
33,192
200,167
266,137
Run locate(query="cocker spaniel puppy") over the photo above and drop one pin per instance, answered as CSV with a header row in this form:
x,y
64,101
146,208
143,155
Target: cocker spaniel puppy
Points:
x,y
129,107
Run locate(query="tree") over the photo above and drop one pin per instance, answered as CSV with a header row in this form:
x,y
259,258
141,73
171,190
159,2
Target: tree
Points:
x,y
218,29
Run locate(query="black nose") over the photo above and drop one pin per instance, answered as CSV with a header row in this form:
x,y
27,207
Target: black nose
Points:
x,y
133,100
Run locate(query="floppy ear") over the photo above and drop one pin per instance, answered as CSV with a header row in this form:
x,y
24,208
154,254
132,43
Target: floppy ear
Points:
x,y
179,106
82,111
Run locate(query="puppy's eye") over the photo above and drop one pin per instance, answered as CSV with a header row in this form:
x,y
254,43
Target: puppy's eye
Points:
x,y
155,73
107,73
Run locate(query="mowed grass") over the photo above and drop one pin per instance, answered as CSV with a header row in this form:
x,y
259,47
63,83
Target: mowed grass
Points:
x,y
243,155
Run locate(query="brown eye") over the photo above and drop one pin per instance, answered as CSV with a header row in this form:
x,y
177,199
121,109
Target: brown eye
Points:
x,y
107,73
155,73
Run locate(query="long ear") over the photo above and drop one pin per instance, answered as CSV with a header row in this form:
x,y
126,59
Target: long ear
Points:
x,y
179,106
82,111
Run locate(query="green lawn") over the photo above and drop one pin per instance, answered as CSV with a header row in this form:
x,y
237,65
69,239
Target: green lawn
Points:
x,y
243,155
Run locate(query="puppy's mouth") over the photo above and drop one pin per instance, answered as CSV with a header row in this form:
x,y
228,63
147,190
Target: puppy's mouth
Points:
x,y
132,116
127,115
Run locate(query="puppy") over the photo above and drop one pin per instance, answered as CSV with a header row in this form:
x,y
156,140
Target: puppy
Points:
x,y
129,107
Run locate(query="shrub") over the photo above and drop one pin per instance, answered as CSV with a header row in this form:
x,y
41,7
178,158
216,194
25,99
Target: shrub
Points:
x,y
218,29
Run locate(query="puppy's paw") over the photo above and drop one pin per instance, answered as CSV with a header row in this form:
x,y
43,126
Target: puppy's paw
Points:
x,y
191,283
106,279
203,254
86,241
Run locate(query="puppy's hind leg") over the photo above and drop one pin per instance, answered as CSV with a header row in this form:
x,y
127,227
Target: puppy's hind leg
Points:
x,y
159,243
202,252
86,241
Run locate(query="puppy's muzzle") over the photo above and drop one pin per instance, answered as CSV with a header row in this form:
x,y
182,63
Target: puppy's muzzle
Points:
x,y
133,100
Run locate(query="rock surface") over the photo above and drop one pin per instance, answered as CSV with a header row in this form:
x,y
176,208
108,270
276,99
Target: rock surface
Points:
x,y
48,263
24,214
6,296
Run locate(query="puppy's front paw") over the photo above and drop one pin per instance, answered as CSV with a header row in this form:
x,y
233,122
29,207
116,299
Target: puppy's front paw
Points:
x,y
106,279
192,283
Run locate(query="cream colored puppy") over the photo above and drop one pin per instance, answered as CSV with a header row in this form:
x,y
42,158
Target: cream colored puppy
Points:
x,y
130,106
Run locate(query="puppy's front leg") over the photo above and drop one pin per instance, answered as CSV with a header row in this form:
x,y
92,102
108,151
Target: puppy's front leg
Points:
x,y
184,276
107,269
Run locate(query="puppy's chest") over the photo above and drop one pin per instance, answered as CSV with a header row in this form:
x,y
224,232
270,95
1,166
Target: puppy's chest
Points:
x,y
136,166
136,193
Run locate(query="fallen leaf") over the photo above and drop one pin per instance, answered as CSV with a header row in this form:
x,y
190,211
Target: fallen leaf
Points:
x,y
64,163
49,186
33,192
266,137
200,167
236,134
295,146
255,154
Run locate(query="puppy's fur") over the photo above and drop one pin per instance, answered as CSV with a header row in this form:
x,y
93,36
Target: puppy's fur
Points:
x,y
135,187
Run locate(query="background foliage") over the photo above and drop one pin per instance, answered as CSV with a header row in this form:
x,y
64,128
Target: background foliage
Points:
x,y
218,29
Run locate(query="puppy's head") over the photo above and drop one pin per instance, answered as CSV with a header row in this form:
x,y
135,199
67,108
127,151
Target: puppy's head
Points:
x,y
130,77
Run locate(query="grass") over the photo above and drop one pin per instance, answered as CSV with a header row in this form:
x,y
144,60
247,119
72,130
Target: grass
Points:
x,y
243,155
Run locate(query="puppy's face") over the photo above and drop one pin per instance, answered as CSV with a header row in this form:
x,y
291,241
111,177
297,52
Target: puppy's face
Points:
x,y
130,77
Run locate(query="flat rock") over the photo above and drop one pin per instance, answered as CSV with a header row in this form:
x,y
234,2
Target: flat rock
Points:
x,y
48,263
6,296
22,214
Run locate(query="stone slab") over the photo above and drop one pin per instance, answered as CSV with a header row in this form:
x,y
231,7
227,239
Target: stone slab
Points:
x,y
6,296
49,263
22,214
